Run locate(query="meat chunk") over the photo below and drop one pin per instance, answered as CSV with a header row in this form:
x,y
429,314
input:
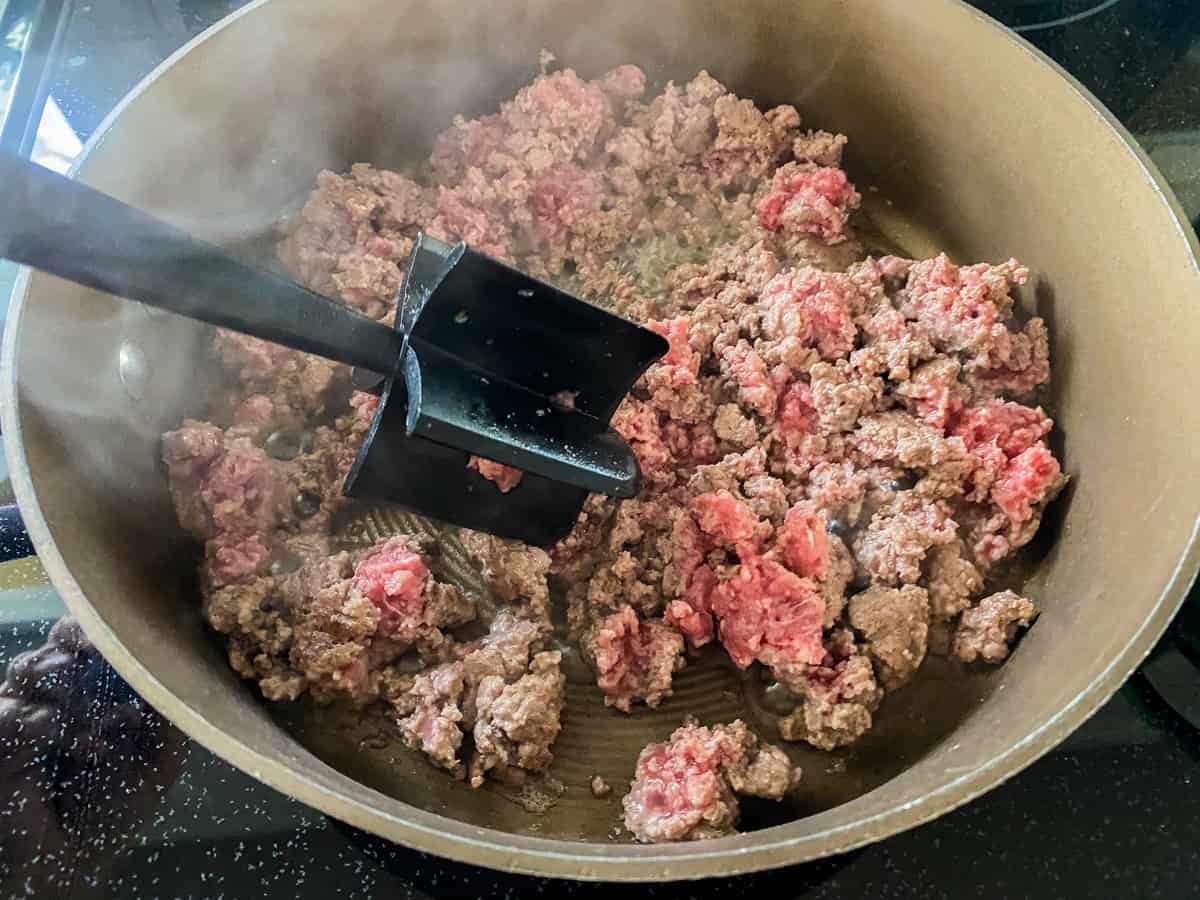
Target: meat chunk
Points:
x,y
962,308
839,573
1011,427
516,724
353,232
307,631
952,580
624,82
510,704
894,624
805,308
770,613
504,477
891,548
628,558
900,439
239,490
516,573
188,452
235,559
765,772
768,604
842,396
934,394
810,199
1026,482
433,725
504,651
820,148
749,143
987,629
685,789
634,658
836,704
395,577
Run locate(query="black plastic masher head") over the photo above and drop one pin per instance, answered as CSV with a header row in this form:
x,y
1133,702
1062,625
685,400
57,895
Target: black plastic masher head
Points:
x,y
472,363
490,356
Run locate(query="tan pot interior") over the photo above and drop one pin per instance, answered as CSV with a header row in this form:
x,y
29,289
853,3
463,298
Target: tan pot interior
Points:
x,y
979,146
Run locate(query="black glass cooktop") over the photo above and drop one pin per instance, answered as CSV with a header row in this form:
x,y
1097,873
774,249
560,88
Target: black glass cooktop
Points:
x,y
100,797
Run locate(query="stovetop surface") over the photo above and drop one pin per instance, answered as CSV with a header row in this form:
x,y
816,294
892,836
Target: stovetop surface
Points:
x,y
100,797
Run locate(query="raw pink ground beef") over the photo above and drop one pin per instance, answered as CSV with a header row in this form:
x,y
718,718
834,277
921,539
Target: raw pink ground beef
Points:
x,y
811,199
686,788
505,477
837,450
395,578
768,604
635,658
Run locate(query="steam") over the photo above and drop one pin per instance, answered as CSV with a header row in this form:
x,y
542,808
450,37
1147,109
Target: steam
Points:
x,y
232,136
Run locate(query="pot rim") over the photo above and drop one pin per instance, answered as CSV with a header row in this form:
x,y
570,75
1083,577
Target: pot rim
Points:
x,y
455,840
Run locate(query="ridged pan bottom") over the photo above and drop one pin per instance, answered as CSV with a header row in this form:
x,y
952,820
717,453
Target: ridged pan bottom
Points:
x,y
598,740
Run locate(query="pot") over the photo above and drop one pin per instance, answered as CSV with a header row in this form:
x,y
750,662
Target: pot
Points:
x,y
980,145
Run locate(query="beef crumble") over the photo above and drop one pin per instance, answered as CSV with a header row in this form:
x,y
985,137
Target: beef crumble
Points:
x,y
687,788
838,449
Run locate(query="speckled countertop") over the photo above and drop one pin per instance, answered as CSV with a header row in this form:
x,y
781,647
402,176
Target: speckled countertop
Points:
x,y
99,797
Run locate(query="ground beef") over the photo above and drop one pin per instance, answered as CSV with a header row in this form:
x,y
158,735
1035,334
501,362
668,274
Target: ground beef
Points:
x,y
806,310
510,704
987,628
767,601
239,491
952,580
686,788
516,724
433,725
837,450
188,453
808,198
820,148
353,234
600,787
622,563
331,628
634,658
395,578
836,703
891,548
841,396
516,573
894,626
504,651
505,477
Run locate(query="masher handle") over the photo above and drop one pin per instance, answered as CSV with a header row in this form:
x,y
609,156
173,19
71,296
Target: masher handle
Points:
x,y
65,228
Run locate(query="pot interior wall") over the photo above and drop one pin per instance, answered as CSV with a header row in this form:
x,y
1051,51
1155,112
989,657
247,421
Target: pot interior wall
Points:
x,y
979,148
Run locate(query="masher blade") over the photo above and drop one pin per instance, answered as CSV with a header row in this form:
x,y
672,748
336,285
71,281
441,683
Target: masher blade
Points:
x,y
522,330
501,365
458,405
434,480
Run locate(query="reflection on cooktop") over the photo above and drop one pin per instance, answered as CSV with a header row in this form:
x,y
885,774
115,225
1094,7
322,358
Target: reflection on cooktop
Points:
x,y
1173,669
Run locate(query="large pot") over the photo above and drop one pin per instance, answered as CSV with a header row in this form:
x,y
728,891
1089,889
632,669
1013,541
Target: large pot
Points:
x,y
983,146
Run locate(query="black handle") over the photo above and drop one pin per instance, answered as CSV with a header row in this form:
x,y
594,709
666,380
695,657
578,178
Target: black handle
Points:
x,y
14,539
44,23
75,232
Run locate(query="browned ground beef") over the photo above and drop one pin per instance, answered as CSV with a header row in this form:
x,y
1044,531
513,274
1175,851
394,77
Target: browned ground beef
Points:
x,y
838,448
